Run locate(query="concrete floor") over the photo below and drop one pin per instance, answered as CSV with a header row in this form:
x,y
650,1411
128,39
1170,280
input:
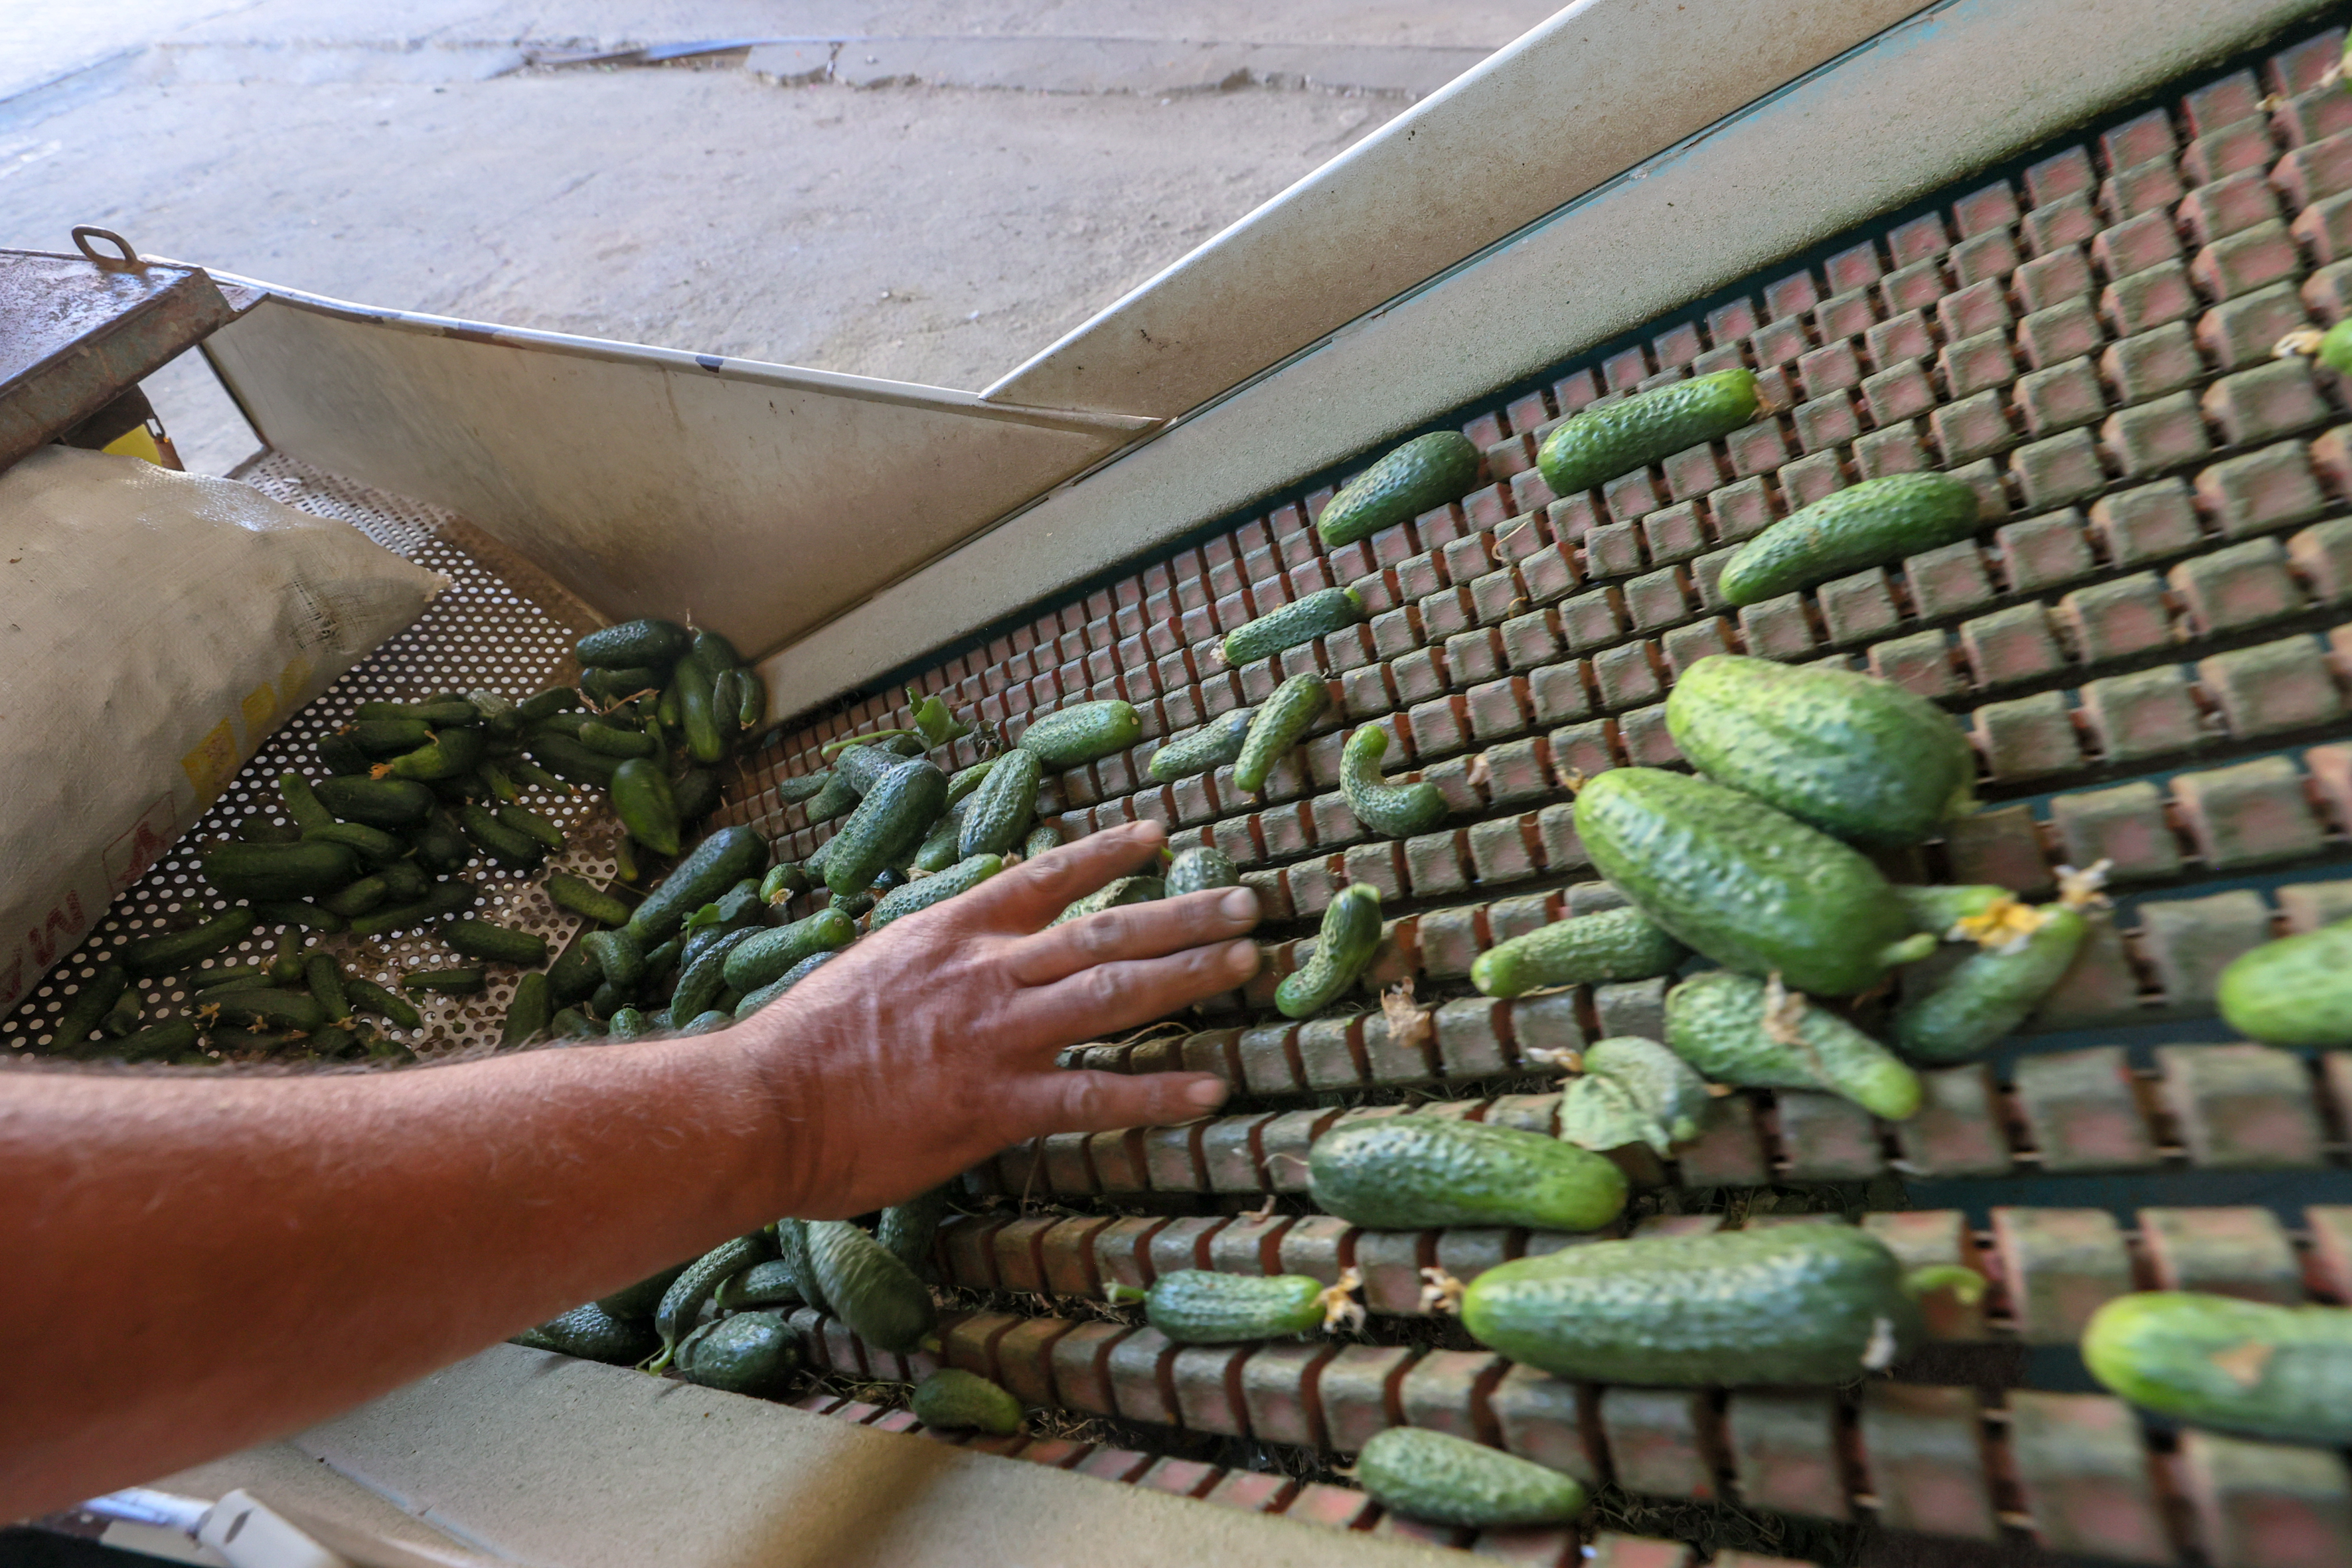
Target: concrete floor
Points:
x,y
917,231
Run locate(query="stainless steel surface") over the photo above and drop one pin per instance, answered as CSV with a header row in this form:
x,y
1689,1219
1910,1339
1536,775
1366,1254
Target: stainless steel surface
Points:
x,y
760,499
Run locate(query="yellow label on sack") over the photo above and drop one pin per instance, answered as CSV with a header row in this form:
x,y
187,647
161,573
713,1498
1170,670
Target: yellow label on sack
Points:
x,y
213,764
260,706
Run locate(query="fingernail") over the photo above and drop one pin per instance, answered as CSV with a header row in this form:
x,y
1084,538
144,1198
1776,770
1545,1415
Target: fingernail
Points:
x,y
1241,904
1208,1094
1242,958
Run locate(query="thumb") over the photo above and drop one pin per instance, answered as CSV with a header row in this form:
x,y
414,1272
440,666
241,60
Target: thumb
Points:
x,y
1073,1101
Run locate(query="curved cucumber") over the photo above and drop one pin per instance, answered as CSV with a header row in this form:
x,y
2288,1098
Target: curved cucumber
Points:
x,y
379,803
1126,890
500,945
1583,950
1395,811
1597,446
1718,1022
1000,810
1869,524
709,868
1282,721
703,979
1344,944
1069,736
872,1291
1199,1307
170,951
1799,1304
755,1000
791,1246
577,895
954,1399
936,889
100,992
768,1284
1204,750
765,955
1302,621
1749,887
1425,472
1414,1173
2296,991
2217,1360
1453,1480
751,1352
886,827
591,1333
620,958
1989,992
1201,867
963,781
683,1302
907,1230
642,800
708,1023
639,642
1852,754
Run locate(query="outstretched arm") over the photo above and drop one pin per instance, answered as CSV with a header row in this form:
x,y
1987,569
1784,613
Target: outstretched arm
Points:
x,y
221,1261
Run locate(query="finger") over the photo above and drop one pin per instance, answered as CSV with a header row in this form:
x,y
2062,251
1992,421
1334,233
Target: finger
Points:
x,y
1132,931
1032,893
1109,997
1100,1101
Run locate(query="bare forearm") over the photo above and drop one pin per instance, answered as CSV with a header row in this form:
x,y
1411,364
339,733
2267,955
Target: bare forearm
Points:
x,y
263,1252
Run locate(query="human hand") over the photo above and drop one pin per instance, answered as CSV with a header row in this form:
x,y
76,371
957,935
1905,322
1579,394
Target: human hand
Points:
x,y
926,1049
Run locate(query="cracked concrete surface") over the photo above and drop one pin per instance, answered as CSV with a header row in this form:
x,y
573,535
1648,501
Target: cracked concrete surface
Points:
x,y
925,233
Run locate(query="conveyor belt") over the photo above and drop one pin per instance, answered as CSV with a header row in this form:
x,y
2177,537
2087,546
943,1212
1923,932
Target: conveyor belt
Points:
x,y
2150,646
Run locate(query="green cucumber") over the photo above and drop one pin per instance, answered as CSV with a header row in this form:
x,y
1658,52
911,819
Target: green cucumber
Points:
x,y
359,898
406,880
574,976
908,1230
755,1000
294,912
1634,1091
375,847
642,1300
782,883
340,758
1717,1022
379,803
1202,867
122,1018
453,754
577,895
532,826
1204,749
302,802
1201,1307
1583,950
837,796
1414,1173
278,1009
1989,992
878,1295
751,1352
1115,895
963,781
253,872
707,1022
325,978
590,1333
938,851
2296,991
696,792
170,951
1874,524
169,1038
1801,1305
642,800
91,1002
1083,733
259,827
687,1294
440,846
1941,908
1852,754
2221,1361
516,851
499,945
571,1023
1425,473
1452,1480
698,721
803,786
439,711
1000,811
453,896
861,765
936,889
546,704
1597,446
1751,888
1320,613
886,826
1282,721
722,859
700,986
1043,840
768,1284
382,738
629,1024
529,1012
444,983
619,957
1344,944
955,1400
617,742
630,643
1395,811
367,996
612,686
791,1246
750,699
766,955
567,758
